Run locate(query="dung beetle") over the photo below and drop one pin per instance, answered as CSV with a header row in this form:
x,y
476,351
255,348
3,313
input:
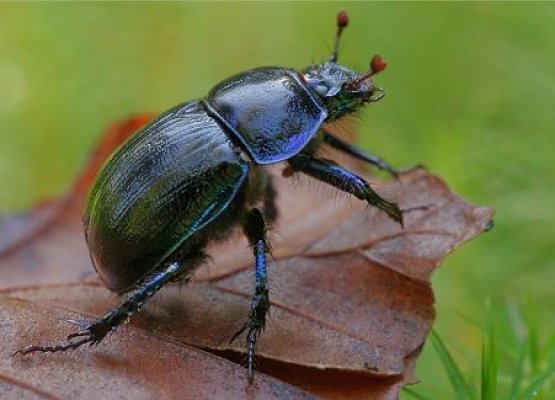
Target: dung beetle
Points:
x,y
197,171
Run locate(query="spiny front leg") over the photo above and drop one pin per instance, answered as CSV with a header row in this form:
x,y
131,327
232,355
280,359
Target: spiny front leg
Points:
x,y
332,174
95,332
255,230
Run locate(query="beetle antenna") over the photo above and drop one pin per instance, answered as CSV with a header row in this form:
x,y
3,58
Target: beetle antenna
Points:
x,y
342,22
377,64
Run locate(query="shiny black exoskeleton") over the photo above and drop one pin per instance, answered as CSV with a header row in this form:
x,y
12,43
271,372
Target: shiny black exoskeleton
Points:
x,y
195,172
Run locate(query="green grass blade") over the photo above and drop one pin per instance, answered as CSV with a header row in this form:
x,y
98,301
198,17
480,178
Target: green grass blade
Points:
x,y
519,371
462,388
489,366
533,389
534,352
549,349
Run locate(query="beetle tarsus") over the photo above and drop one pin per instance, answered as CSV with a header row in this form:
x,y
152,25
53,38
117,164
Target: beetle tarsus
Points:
x,y
89,333
254,329
359,154
95,332
56,349
252,336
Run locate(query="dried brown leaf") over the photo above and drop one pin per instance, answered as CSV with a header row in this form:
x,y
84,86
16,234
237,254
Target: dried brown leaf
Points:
x,y
351,301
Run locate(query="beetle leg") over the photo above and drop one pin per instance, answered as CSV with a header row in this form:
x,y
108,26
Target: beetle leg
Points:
x,y
332,174
255,230
358,153
270,208
94,333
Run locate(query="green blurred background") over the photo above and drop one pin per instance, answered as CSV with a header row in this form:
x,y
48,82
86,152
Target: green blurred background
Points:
x,y
470,93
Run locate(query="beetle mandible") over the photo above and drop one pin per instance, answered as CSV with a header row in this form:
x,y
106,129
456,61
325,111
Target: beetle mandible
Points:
x,y
196,172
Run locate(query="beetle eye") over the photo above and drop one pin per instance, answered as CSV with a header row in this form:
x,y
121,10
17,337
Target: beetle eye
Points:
x,y
349,87
321,89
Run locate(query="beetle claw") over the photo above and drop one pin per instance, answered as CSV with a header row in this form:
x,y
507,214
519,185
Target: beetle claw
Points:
x,y
79,334
239,333
81,324
253,329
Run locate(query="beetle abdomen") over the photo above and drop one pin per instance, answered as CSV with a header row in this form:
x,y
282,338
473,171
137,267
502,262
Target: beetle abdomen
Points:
x,y
269,110
165,184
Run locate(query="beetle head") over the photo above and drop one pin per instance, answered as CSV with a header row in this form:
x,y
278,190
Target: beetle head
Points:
x,y
341,89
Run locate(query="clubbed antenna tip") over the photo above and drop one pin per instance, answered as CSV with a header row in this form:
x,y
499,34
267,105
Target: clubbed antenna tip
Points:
x,y
377,64
342,22
342,19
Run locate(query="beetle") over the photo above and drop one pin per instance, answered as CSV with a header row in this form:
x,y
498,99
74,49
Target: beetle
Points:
x,y
196,172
